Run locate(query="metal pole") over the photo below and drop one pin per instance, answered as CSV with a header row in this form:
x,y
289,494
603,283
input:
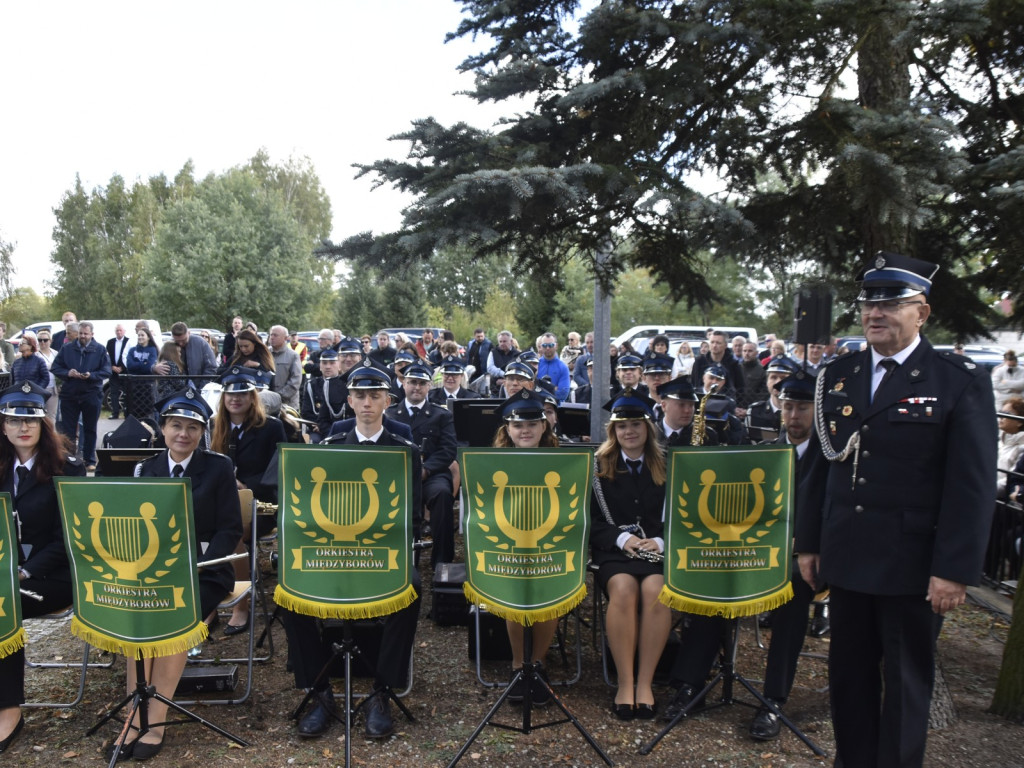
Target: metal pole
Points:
x,y
602,334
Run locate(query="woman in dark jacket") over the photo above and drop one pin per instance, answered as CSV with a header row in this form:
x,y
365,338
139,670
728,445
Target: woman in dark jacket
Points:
x,y
625,536
31,454
139,362
28,365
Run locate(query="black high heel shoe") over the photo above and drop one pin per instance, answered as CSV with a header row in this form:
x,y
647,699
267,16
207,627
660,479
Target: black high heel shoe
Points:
x,y
14,734
623,711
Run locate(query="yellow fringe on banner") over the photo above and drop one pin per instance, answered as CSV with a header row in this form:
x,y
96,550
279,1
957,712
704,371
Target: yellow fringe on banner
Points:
x,y
731,610
13,644
526,617
322,610
114,644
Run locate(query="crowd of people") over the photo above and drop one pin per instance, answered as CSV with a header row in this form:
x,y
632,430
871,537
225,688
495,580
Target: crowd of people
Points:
x,y
881,520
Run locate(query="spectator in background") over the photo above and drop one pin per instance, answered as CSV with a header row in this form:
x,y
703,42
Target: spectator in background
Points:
x,y
1011,441
29,366
572,351
170,382
755,387
552,367
49,354
579,371
229,340
683,363
82,365
384,354
1007,379
196,355
288,372
117,349
301,349
60,337
140,361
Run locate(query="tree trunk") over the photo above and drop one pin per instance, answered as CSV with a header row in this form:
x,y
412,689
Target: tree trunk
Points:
x,y
1008,700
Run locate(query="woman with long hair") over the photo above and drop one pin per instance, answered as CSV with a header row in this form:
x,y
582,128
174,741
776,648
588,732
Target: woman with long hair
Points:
x,y
171,381
625,536
683,363
244,433
251,352
218,529
32,453
28,365
526,427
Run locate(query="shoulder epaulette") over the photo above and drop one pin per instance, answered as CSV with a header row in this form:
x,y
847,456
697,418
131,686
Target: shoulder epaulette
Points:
x,y
960,362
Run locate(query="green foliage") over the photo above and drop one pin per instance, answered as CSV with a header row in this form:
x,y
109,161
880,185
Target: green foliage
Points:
x,y
654,124
6,269
234,246
24,306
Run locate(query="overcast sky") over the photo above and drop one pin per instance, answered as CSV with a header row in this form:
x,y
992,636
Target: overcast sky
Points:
x,y
138,88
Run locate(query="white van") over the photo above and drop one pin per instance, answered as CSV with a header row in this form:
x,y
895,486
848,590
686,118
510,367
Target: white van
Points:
x,y
103,330
688,332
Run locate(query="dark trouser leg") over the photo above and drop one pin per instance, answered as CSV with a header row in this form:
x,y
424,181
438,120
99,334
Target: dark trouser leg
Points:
x,y
90,407
437,493
306,648
70,410
56,596
396,645
114,394
701,644
789,628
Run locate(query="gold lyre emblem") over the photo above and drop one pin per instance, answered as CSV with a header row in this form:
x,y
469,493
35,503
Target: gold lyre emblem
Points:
x,y
519,510
128,544
351,506
729,509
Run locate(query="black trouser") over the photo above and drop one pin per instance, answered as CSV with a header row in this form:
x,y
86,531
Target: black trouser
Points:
x,y
881,673
702,642
56,596
789,629
437,495
309,652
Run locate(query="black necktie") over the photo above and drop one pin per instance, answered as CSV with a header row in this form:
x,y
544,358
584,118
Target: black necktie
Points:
x,y
674,436
367,442
178,471
22,476
890,365
634,466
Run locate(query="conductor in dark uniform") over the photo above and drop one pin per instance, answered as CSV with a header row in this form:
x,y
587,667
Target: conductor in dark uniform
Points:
x,y
895,511
433,432
309,652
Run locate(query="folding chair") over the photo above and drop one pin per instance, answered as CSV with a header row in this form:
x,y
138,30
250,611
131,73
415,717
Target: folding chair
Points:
x,y
84,665
252,589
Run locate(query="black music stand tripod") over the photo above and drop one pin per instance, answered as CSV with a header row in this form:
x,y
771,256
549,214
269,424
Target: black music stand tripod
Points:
x,y
348,649
139,701
530,676
727,675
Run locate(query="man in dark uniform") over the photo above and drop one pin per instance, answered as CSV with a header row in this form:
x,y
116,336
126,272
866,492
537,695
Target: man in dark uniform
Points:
x,y
368,397
788,621
325,339
679,403
627,373
657,369
719,408
453,371
764,419
895,511
434,433
325,397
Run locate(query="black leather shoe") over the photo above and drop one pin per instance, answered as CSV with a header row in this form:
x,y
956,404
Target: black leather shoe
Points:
x,y
318,719
233,629
379,724
766,725
623,711
540,696
683,697
14,734
645,711
820,624
144,751
125,754
515,695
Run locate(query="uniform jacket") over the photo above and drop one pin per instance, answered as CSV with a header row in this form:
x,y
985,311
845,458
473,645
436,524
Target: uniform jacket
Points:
x,y
762,416
921,501
433,431
42,545
253,454
73,357
630,500
439,397
325,409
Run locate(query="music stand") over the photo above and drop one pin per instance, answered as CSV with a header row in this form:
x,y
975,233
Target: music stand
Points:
x,y
120,462
476,421
727,675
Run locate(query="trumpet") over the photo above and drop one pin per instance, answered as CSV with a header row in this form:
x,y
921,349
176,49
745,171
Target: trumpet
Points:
x,y
648,555
266,508
700,420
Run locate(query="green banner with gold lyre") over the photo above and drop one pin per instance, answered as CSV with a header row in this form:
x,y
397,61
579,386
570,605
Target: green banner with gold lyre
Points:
x,y
131,545
527,521
728,529
345,530
12,635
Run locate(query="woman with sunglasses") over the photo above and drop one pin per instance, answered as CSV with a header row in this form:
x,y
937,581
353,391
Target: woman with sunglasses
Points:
x,y
28,366
32,453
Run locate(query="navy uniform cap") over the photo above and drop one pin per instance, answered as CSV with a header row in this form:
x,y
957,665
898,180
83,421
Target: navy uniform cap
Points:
x,y
781,364
655,362
529,356
895,276
628,361
418,371
799,386
348,346
240,378
452,364
716,370
524,405
366,376
679,388
264,378
522,370
25,400
717,408
186,403
329,354
630,405
405,356
546,389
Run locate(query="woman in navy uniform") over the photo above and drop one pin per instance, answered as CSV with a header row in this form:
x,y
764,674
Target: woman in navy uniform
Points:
x,y
244,433
31,454
895,512
218,529
626,520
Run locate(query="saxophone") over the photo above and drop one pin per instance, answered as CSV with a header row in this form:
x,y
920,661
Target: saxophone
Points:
x,y
700,420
